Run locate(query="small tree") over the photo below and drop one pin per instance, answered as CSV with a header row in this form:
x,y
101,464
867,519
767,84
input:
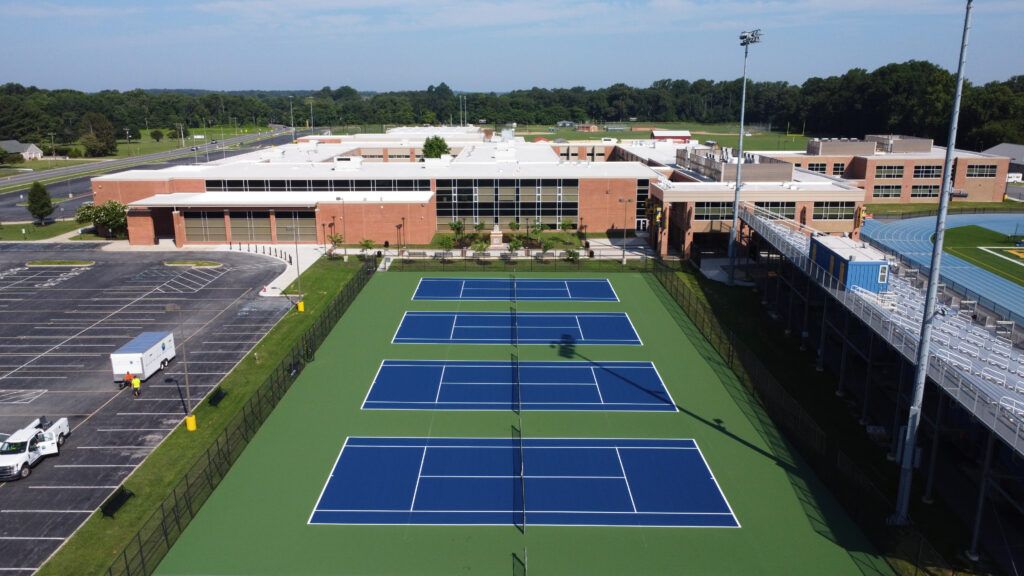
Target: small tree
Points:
x,y
480,246
445,242
457,227
336,240
515,243
435,147
572,256
566,225
366,245
39,204
157,135
538,227
546,244
513,225
11,158
479,227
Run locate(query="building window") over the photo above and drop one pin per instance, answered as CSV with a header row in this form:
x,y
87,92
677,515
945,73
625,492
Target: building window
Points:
x,y
214,185
886,191
642,194
833,210
928,171
981,171
818,167
502,201
883,274
924,191
781,209
205,226
889,171
712,211
839,168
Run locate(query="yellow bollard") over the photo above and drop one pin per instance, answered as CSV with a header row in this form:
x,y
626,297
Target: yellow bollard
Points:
x,y
302,306
190,423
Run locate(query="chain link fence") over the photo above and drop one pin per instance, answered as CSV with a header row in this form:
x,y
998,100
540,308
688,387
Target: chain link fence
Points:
x,y
601,262
905,549
147,548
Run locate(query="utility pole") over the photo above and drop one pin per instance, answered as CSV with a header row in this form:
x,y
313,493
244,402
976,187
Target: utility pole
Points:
x,y
902,514
53,151
625,218
746,39
291,110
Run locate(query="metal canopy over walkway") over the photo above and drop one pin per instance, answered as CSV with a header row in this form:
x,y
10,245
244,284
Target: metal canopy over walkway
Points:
x,y
981,370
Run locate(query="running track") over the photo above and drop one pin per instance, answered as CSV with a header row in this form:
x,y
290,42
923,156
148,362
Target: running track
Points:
x,y
912,239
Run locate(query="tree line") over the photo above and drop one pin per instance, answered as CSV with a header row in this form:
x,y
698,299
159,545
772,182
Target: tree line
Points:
x,y
912,98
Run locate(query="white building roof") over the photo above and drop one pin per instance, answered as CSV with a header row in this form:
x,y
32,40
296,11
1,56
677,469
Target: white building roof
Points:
x,y
793,191
850,249
277,199
670,133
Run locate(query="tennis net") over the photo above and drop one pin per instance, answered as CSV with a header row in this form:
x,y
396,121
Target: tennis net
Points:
x,y
517,393
519,468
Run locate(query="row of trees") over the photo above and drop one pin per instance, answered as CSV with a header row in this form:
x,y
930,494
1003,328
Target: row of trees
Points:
x,y
912,97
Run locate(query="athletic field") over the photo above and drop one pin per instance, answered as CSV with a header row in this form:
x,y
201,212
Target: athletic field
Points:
x,y
987,249
584,429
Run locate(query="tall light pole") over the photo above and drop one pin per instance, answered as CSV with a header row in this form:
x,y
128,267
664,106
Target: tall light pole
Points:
x,y
53,151
310,100
902,515
746,39
625,218
291,110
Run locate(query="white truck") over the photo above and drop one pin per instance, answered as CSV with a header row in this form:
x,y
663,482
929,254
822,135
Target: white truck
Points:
x,y
143,356
22,450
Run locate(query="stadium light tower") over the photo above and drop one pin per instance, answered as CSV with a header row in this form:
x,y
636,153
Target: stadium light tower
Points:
x,y
746,39
902,515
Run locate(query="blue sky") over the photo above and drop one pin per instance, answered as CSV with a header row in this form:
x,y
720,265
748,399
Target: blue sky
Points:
x,y
484,46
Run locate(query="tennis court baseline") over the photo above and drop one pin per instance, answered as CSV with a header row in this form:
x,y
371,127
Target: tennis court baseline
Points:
x,y
495,385
529,328
564,482
532,289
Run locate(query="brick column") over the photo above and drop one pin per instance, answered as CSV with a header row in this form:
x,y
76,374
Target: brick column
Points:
x,y
179,228
666,210
227,226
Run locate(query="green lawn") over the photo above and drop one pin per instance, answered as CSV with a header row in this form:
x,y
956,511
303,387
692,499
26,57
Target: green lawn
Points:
x,y
881,210
34,232
171,141
41,166
1002,258
256,521
95,546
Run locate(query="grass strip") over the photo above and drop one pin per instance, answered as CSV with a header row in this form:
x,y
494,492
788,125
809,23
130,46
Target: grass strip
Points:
x,y
925,209
100,540
28,231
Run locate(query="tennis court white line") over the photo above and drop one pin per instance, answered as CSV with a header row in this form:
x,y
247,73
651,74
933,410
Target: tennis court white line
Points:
x,y
717,485
596,384
628,489
328,481
506,403
568,365
530,511
596,447
419,475
440,383
528,476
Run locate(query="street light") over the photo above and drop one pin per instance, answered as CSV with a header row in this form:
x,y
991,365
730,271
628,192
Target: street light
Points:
x,y
746,39
625,218
291,110
310,100
174,307
298,269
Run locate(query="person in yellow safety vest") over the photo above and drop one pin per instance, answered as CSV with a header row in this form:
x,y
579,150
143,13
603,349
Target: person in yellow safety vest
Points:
x,y
136,387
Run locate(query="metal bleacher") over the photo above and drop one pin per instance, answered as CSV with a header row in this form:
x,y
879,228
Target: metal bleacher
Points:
x,y
980,369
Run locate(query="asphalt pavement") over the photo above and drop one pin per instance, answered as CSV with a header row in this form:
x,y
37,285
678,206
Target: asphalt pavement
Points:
x,y
79,188
58,326
123,163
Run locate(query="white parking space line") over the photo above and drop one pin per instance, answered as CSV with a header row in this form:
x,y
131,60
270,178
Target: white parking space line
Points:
x,y
46,511
71,487
96,465
19,396
134,429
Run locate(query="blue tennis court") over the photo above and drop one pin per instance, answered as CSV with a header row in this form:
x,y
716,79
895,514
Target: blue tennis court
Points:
x,y
534,289
489,385
532,481
529,328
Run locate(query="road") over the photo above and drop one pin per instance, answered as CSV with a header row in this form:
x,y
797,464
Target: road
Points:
x,y
111,165
80,187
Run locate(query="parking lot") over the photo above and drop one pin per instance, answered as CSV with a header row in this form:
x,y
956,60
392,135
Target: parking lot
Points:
x,y
58,326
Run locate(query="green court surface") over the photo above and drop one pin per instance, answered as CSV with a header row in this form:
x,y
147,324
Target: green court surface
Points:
x,y
256,520
988,250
